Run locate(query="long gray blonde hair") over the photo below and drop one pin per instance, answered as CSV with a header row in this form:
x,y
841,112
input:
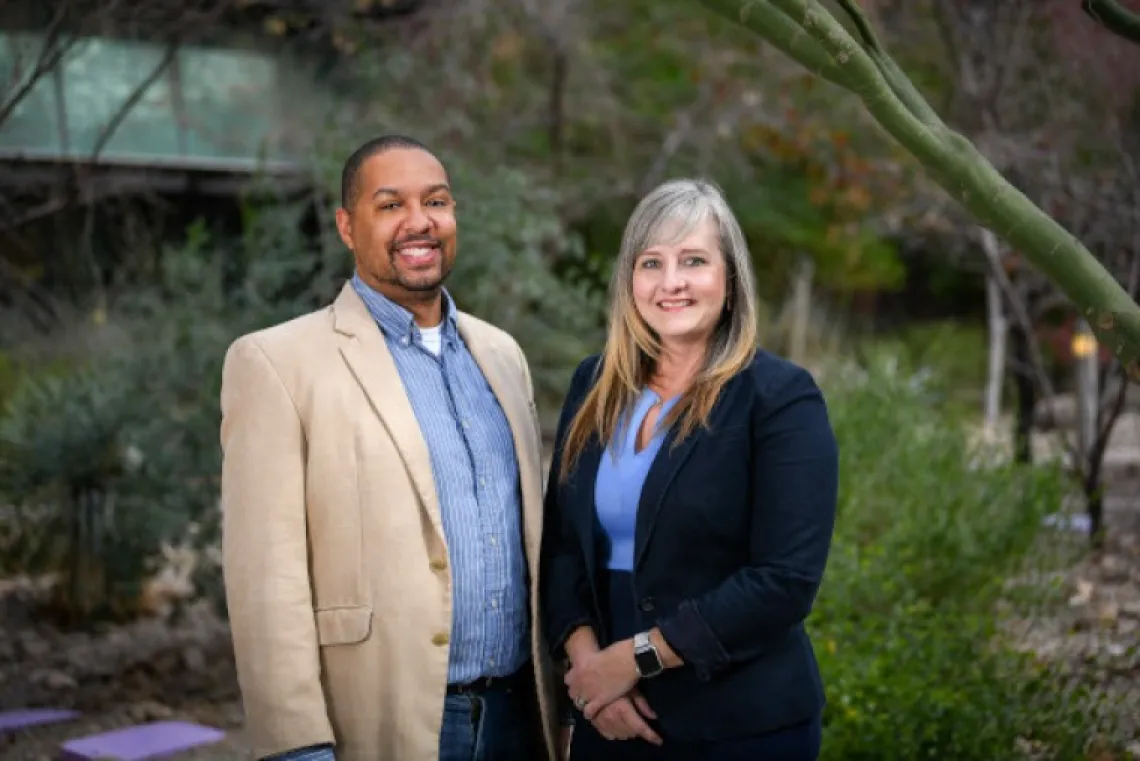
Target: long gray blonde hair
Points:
x,y
666,215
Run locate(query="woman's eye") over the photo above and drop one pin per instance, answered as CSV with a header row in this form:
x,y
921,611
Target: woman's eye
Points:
x,y
694,261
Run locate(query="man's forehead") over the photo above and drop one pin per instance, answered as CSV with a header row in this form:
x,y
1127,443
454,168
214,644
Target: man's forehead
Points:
x,y
404,167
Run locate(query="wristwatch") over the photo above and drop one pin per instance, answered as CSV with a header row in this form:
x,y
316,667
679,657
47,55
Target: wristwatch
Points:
x,y
645,656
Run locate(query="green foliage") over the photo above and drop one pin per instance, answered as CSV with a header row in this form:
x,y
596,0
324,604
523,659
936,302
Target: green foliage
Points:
x,y
951,355
906,626
71,442
510,242
14,370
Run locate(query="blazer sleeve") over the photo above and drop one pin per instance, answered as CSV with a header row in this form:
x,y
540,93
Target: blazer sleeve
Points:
x,y
794,493
265,556
565,589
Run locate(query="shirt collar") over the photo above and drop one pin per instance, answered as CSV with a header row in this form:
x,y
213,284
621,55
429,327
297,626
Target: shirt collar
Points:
x,y
396,321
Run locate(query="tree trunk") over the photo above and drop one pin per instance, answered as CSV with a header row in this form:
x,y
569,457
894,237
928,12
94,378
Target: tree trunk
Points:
x,y
1026,396
995,373
998,330
801,310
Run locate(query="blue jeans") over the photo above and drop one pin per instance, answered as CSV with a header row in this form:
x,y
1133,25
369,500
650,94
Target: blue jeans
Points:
x,y
491,726
495,725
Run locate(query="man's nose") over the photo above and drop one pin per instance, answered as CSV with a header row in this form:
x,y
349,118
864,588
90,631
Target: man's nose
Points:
x,y
417,221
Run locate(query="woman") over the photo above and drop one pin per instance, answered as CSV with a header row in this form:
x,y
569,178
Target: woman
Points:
x,y
689,510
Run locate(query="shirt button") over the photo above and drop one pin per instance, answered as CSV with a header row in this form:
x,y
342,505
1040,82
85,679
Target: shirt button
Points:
x,y
490,661
494,603
493,541
441,639
438,564
482,482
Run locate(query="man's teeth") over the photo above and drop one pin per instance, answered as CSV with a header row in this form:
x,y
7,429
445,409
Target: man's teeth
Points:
x,y
416,252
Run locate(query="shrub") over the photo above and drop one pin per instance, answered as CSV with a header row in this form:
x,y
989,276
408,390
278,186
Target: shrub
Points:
x,y
906,625
66,454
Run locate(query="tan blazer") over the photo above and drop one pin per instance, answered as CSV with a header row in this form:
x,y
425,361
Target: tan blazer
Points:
x,y
335,561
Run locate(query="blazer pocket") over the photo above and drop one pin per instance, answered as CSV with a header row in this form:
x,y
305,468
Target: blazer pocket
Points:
x,y
344,626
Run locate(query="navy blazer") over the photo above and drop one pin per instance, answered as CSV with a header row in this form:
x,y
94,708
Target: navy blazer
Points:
x,y
732,536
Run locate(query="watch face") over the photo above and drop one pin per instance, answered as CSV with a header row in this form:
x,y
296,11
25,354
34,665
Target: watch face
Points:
x,y
648,664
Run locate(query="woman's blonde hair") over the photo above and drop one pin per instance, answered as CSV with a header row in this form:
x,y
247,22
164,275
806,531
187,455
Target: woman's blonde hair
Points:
x,y
666,215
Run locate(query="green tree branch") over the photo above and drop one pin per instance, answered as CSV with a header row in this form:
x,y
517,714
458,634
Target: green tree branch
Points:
x,y
782,32
865,69
1114,17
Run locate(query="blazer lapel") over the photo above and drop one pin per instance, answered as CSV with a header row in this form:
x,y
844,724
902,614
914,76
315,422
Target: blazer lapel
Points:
x,y
580,491
363,347
666,463
512,399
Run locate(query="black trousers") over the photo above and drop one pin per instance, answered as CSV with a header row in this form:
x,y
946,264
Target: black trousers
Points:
x,y
799,742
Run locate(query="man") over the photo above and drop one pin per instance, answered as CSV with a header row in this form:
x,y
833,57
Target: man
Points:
x,y
382,495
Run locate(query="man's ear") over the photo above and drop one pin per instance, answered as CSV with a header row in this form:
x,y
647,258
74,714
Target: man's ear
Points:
x,y
344,227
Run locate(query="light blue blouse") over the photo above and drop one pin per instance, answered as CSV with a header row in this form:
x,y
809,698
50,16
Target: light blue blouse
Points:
x,y
621,474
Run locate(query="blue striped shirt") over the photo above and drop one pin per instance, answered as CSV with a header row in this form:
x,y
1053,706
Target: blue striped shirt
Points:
x,y
476,475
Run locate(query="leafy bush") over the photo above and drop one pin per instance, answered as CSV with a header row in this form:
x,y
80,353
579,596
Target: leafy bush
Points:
x,y
66,456
906,625
952,355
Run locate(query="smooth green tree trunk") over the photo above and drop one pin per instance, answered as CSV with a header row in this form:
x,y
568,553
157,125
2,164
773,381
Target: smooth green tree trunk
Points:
x,y
808,32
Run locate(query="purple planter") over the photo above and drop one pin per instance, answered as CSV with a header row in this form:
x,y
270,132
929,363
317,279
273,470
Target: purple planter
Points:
x,y
33,717
146,741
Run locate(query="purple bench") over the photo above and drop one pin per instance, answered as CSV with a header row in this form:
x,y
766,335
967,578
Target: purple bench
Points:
x,y
33,717
146,741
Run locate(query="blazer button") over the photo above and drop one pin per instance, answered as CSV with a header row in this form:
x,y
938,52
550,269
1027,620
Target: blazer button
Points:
x,y
437,564
439,640
647,604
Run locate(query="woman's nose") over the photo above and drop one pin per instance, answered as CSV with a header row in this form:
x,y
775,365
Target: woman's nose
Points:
x,y
673,278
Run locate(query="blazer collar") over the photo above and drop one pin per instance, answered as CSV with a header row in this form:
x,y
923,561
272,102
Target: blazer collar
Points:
x,y
368,358
364,350
666,463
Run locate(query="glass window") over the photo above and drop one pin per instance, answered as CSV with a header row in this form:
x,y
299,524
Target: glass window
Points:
x,y
33,126
99,77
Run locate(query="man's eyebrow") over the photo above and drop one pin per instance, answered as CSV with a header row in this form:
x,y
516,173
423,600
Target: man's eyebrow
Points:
x,y
394,192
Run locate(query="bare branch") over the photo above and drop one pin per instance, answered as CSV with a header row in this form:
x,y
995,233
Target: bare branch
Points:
x,y
51,53
132,100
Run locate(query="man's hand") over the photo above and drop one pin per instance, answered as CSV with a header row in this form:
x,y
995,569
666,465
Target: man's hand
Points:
x,y
625,718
